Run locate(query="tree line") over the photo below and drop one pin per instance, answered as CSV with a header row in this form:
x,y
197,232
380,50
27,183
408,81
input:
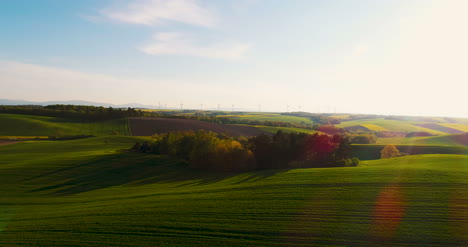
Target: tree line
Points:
x,y
91,113
219,152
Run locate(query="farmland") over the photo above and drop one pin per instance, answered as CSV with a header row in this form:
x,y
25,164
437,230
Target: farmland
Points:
x,y
272,130
460,127
36,126
391,125
443,140
269,117
92,191
225,123
149,200
253,116
150,126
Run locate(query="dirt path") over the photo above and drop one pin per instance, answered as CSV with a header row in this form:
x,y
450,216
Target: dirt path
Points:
x,y
2,143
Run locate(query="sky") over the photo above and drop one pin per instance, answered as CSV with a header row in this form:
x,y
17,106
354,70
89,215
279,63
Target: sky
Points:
x,y
397,57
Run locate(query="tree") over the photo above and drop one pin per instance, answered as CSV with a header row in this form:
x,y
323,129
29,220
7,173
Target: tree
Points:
x,y
389,151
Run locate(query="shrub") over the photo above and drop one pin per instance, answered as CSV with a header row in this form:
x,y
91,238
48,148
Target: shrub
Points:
x,y
343,162
355,161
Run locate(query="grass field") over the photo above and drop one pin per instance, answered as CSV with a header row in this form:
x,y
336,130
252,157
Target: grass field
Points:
x,y
273,130
26,125
270,117
391,125
374,127
461,127
443,140
85,193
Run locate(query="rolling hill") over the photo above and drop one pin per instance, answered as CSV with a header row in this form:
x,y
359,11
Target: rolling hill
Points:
x,y
27,125
87,193
443,140
390,125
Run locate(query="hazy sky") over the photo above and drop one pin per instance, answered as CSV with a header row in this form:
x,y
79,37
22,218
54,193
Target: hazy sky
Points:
x,y
404,57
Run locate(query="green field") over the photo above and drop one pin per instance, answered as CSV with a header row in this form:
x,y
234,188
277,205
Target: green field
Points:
x,y
443,140
27,125
270,117
372,151
391,125
461,127
273,130
86,193
374,127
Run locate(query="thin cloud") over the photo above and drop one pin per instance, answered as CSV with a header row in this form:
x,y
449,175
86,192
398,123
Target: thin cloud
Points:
x,y
157,12
173,43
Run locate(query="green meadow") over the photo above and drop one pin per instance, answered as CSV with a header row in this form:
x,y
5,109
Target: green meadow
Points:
x,y
91,192
390,125
27,125
442,140
270,117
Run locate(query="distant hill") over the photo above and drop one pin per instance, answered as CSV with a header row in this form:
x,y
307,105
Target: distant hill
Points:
x,y
72,102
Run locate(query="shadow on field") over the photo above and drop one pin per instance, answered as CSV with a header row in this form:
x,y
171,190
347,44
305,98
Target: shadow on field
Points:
x,y
130,168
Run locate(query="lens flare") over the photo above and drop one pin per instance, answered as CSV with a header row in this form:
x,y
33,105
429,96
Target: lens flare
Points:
x,y
388,213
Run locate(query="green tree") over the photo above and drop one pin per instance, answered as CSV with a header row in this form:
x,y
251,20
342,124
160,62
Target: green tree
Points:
x,y
389,151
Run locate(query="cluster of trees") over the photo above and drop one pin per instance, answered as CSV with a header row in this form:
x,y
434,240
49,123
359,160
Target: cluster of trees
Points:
x,y
294,150
203,150
329,129
325,119
316,118
363,138
91,113
210,151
